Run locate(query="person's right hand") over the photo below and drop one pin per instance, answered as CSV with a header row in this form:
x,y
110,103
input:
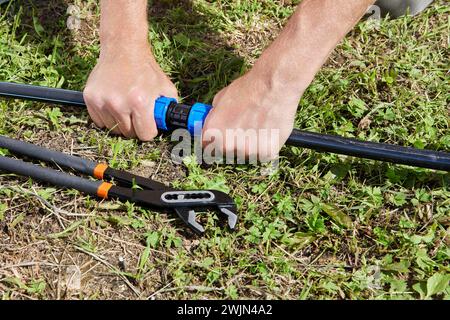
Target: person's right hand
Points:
x,y
122,89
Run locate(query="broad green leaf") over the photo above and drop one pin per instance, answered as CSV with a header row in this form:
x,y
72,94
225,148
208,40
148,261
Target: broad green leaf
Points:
x,y
36,287
402,266
54,116
338,216
46,193
207,262
398,285
119,220
437,283
421,288
4,152
424,261
299,239
153,239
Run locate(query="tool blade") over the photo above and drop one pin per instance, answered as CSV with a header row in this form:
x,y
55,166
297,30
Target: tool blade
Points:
x,y
188,217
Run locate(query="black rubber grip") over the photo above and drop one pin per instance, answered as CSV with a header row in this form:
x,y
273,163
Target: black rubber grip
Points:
x,y
40,153
371,150
50,176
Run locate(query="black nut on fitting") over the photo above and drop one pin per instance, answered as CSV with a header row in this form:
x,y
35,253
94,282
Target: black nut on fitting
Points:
x,y
177,116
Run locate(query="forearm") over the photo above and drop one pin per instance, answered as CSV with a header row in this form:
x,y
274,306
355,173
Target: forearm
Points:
x,y
123,25
315,29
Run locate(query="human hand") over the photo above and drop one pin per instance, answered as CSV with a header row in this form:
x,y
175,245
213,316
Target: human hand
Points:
x,y
251,107
267,97
122,89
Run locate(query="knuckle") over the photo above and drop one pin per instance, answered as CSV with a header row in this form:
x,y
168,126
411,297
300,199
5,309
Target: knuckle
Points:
x,y
138,100
132,135
126,128
91,98
88,93
114,103
113,126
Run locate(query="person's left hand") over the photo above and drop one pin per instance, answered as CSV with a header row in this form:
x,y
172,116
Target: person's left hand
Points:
x,y
251,107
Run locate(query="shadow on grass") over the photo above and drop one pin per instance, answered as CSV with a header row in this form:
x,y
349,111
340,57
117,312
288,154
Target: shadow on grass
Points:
x,y
194,55
40,28
202,62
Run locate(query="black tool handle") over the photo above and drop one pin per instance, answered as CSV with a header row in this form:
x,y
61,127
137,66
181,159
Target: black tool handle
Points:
x,y
48,175
40,153
77,164
371,150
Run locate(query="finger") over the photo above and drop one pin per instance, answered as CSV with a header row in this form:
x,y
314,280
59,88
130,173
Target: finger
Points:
x,y
111,113
124,123
109,121
210,130
144,123
269,145
218,97
127,128
213,145
96,117
141,105
92,107
246,146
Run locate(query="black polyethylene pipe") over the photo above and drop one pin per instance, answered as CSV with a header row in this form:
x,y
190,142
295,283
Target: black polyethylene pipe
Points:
x,y
42,94
320,142
371,150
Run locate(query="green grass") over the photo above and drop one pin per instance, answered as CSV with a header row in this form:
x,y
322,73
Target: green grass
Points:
x,y
322,226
